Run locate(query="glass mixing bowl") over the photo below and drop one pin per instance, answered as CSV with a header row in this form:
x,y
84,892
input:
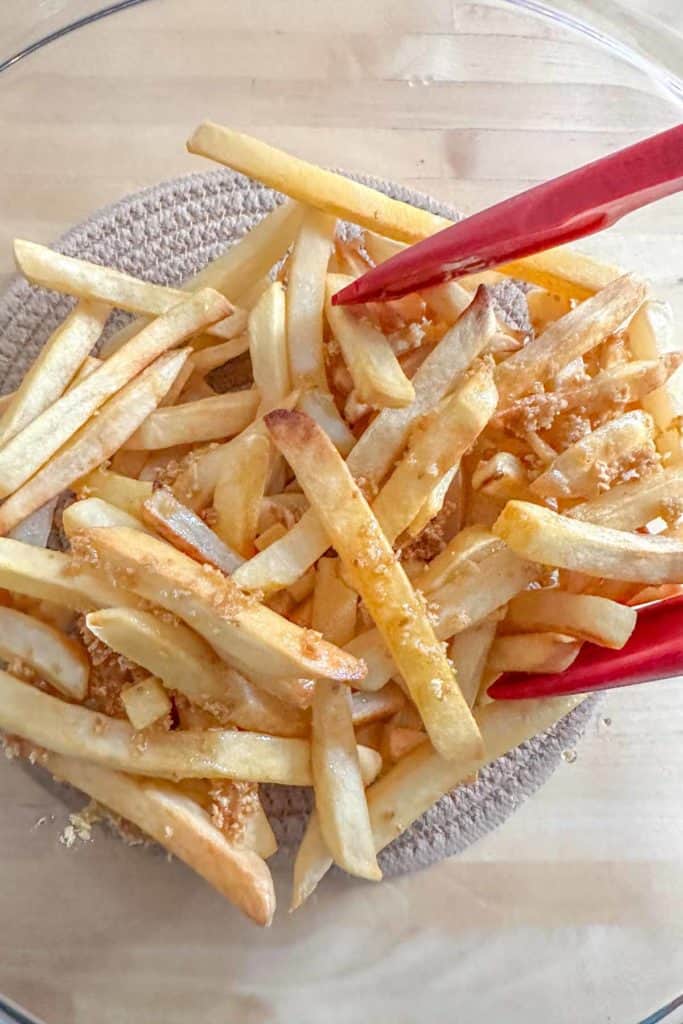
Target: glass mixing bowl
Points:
x,y
570,912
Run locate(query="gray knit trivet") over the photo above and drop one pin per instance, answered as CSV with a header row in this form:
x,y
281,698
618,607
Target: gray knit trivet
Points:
x,y
164,234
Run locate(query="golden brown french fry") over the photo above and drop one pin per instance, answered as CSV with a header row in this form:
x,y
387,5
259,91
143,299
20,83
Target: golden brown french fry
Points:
x,y
145,702
532,652
185,662
33,446
585,616
569,337
633,504
313,186
435,447
307,269
589,465
268,346
50,575
96,512
564,272
469,651
376,372
61,358
213,356
246,633
184,829
557,540
96,441
56,658
187,532
76,731
239,491
378,577
207,419
128,495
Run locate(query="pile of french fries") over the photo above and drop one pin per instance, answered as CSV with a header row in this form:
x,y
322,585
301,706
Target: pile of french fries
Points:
x,y
312,580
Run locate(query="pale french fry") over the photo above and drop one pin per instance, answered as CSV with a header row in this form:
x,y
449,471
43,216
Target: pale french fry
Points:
x,y
585,468
52,372
128,495
374,707
545,307
49,575
96,512
632,505
564,272
434,448
651,332
171,396
213,356
313,186
185,662
370,647
36,528
376,372
269,536
399,741
145,702
187,532
207,419
569,337
334,603
379,248
307,271
379,579
377,450
55,657
584,616
248,298
268,346
469,651
247,634
532,652
239,491
447,301
557,540
96,441
75,731
433,504
471,544
33,446
184,829
319,405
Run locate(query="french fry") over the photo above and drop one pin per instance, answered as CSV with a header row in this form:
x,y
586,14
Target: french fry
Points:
x,y
469,652
557,540
187,532
96,441
435,447
471,544
246,633
36,528
207,419
399,741
28,450
307,271
268,346
379,579
370,647
282,563
586,467
447,301
631,505
376,372
313,186
52,372
565,272
239,491
96,512
571,336
55,658
319,405
532,652
145,702
584,616
75,731
334,603
374,707
128,495
379,248
185,830
651,332
433,503
49,575
501,476
213,356
185,662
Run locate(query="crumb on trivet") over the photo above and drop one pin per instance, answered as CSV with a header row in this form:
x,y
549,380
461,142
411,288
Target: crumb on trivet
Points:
x,y
79,827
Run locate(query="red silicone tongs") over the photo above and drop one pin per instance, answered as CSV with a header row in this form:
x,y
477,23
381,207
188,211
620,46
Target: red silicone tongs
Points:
x,y
653,651
561,210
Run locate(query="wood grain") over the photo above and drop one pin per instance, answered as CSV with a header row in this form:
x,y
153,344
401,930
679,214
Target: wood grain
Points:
x,y
575,906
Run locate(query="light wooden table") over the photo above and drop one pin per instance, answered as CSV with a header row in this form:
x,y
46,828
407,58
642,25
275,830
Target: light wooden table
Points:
x,y
573,911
